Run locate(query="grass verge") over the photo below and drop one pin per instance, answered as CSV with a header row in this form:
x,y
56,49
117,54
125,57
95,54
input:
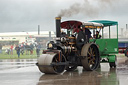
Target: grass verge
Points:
x,y
4,55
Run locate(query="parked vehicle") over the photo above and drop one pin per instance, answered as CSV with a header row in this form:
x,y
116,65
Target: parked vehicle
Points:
x,y
123,46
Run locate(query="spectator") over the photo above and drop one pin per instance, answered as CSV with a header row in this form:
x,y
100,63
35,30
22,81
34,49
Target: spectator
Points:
x,y
27,47
22,48
31,48
11,49
38,47
0,48
7,51
17,48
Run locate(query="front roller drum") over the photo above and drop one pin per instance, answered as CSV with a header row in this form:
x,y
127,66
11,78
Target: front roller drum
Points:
x,y
91,58
45,63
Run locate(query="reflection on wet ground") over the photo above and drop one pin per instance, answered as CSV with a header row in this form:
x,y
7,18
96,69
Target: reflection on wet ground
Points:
x,y
25,72
85,78
103,76
122,71
16,63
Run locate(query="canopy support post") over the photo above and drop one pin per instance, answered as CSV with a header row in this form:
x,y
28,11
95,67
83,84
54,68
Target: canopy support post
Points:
x,y
117,31
102,33
109,32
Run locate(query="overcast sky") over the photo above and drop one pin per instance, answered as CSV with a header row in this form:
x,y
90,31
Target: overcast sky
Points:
x,y
26,15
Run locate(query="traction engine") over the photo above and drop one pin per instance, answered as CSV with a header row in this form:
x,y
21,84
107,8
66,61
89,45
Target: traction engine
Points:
x,y
69,50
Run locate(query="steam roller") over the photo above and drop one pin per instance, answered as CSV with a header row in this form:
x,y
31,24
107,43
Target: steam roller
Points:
x,y
56,63
68,51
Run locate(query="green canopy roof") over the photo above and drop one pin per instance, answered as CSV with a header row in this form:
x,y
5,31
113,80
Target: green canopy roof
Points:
x,y
106,22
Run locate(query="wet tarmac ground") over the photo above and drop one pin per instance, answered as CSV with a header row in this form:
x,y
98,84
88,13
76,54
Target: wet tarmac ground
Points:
x,y
25,72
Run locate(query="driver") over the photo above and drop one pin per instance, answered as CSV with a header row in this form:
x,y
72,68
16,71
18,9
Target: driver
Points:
x,y
87,33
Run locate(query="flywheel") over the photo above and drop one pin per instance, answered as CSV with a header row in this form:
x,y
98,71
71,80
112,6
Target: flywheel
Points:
x,y
91,59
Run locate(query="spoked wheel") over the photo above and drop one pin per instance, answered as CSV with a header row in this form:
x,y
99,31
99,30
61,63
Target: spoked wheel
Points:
x,y
91,58
71,67
50,63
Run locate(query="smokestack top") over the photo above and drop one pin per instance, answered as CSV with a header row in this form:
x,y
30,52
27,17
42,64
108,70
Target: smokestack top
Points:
x,y
58,18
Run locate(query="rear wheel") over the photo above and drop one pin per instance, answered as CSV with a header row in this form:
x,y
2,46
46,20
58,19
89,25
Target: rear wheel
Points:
x,y
113,64
91,58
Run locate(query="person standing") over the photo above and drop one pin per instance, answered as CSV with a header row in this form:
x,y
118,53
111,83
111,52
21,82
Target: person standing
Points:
x,y
31,48
22,48
27,48
38,47
0,48
11,49
17,48
87,33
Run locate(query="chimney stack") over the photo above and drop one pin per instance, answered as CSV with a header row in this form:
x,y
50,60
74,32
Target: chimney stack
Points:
x,y
58,25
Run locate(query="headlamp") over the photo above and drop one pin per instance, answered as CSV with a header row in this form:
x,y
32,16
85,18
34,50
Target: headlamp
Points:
x,y
50,45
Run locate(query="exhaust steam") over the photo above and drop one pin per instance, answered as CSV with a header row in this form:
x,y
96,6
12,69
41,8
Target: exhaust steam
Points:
x,y
87,8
